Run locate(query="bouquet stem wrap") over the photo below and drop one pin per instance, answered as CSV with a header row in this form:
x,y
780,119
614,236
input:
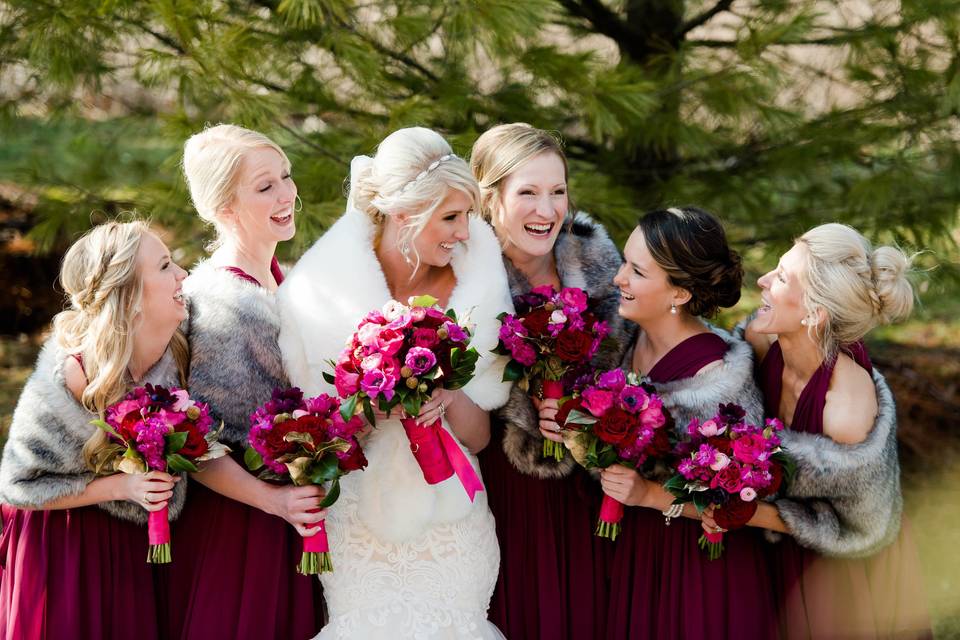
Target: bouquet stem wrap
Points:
x,y
611,513
158,533
713,543
439,455
553,390
316,551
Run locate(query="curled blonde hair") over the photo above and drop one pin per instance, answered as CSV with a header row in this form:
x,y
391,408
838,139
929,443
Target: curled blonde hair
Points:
x,y
100,277
499,152
412,173
858,287
211,166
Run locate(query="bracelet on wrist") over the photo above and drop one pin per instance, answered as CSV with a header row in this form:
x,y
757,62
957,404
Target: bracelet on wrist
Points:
x,y
671,512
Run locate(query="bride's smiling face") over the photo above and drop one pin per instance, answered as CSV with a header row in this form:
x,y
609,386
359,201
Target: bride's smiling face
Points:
x,y
447,227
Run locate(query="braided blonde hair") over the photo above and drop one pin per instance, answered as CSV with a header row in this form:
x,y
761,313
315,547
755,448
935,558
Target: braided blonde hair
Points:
x,y
99,275
857,286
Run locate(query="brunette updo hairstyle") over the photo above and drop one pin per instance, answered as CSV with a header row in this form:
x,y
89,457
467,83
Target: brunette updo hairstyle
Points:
x,y
691,246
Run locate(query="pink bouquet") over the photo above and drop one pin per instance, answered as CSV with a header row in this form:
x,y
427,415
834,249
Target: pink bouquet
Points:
x,y
730,464
158,429
552,335
615,421
305,441
398,356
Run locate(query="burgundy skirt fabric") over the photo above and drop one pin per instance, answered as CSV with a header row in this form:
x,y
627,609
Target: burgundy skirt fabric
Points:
x,y
552,582
877,597
75,573
234,574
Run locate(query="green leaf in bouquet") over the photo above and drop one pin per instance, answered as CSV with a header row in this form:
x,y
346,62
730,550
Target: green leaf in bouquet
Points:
x,y
336,444
576,443
368,412
553,368
101,424
252,459
677,486
328,377
513,371
132,462
325,469
348,407
386,405
411,404
423,301
299,437
332,494
579,417
176,440
789,466
450,313
455,355
701,500
176,462
606,456
106,460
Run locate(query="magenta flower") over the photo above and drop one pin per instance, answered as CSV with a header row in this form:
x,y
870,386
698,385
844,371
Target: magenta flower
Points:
x,y
546,291
377,382
321,405
390,341
151,441
652,414
573,298
346,382
420,360
522,352
455,332
614,380
705,455
633,399
750,447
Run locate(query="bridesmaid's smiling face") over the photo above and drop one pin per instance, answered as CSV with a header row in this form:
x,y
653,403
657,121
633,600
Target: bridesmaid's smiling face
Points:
x,y
533,206
645,289
781,293
262,207
161,279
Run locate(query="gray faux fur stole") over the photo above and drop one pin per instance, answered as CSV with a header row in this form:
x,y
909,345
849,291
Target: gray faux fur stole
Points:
x,y
235,361
845,500
43,460
587,258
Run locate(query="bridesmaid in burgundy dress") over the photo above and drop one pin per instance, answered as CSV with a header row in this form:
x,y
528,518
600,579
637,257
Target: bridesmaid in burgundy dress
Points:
x,y
844,571
238,577
678,269
74,546
552,582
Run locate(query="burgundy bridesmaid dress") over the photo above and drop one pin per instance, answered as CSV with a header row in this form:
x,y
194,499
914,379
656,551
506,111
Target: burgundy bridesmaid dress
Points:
x,y
552,581
820,597
662,585
234,570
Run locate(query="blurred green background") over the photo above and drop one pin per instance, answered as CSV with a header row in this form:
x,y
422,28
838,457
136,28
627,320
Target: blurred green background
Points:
x,y
776,115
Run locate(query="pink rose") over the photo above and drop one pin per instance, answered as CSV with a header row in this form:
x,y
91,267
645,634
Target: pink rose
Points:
x,y
368,333
721,461
748,494
575,298
614,380
373,361
347,382
711,428
597,401
425,337
390,341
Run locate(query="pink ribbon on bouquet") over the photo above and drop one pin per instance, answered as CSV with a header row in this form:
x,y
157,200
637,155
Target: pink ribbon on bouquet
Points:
x,y
158,526
440,456
318,542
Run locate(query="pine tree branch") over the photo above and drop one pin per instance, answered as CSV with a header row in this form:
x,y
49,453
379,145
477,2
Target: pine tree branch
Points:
x,y
606,22
170,42
703,18
313,145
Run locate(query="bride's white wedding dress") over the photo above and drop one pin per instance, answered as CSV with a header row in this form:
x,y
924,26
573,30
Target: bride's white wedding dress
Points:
x,y
410,560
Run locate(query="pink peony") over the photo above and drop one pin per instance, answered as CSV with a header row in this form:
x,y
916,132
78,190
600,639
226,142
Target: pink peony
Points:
x,y
390,341
614,380
371,362
346,382
368,333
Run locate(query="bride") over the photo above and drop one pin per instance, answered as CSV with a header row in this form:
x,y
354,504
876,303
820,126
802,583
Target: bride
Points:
x,y
410,559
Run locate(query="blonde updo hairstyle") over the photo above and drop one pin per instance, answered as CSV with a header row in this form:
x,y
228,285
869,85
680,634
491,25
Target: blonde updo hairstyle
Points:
x,y
211,166
412,173
499,152
856,286
100,277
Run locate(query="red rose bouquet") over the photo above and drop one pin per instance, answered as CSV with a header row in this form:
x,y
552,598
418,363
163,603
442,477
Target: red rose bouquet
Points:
x,y
162,429
305,441
615,421
730,464
398,356
553,334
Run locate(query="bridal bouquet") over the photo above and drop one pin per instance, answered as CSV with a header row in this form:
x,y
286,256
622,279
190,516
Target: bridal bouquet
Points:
x,y
616,420
305,441
730,464
553,334
155,428
398,356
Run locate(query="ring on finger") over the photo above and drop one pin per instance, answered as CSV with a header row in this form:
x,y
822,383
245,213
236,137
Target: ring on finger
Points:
x,y
443,409
146,497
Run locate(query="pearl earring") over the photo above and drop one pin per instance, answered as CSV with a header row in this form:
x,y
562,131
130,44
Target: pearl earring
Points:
x,y
673,309
804,322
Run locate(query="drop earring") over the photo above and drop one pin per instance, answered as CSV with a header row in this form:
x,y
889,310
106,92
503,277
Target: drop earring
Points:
x,y
673,309
298,207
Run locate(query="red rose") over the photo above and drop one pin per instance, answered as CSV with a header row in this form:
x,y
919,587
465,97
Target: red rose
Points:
x,y
573,345
274,442
312,425
564,411
196,444
353,459
728,479
536,322
777,472
735,513
128,425
722,444
615,426
660,445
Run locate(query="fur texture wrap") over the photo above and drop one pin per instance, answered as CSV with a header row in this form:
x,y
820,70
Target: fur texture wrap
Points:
x,y
845,500
587,258
333,286
235,361
43,457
